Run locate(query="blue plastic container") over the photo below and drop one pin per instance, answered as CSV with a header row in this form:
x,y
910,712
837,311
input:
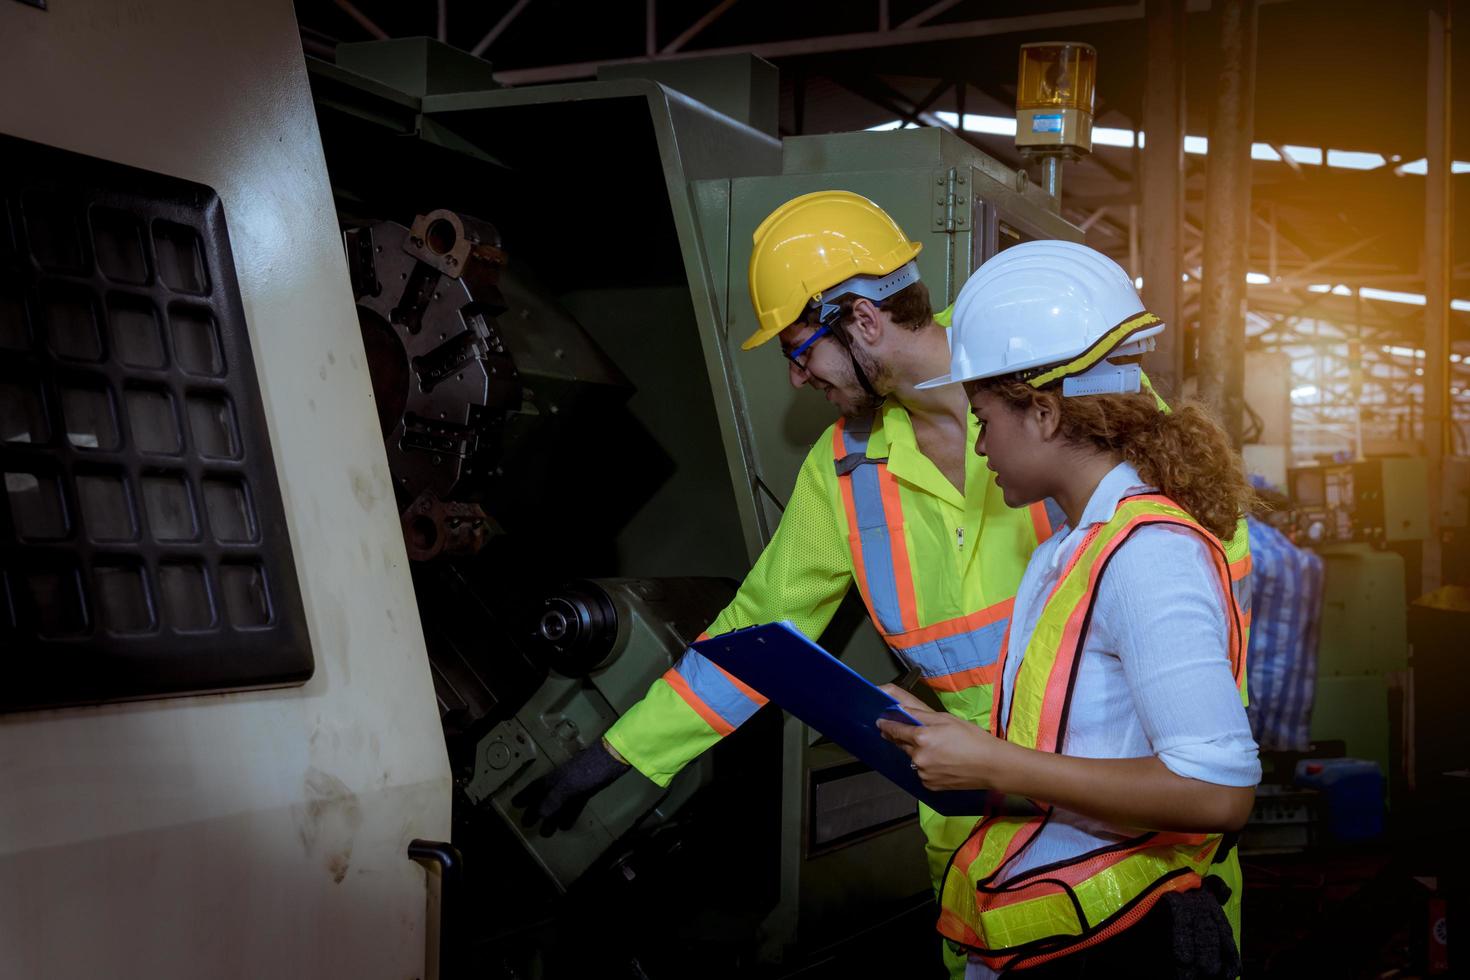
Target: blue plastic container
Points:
x,y
1353,792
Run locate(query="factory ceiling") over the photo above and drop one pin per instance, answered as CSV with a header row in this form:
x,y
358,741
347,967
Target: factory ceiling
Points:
x,y
1337,194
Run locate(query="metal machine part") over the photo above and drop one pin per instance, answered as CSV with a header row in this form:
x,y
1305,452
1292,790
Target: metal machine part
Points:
x,y
441,376
432,527
461,394
578,630
1377,501
1361,517
605,641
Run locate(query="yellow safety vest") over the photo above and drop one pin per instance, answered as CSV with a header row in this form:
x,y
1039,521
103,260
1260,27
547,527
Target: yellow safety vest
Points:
x,y
958,656
1043,913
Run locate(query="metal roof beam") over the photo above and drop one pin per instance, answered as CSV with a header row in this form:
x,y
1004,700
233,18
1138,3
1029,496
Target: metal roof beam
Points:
x,y
363,20
928,13
499,28
859,41
694,29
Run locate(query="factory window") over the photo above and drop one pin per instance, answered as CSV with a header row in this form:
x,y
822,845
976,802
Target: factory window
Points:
x,y
143,550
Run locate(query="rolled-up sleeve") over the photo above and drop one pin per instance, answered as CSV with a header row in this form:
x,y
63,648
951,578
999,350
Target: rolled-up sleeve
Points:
x,y
1163,607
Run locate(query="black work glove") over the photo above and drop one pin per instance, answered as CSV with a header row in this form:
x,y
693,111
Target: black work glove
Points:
x,y
557,798
1204,947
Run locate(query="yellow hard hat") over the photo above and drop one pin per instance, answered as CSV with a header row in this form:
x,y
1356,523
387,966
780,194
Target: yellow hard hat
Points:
x,y
812,243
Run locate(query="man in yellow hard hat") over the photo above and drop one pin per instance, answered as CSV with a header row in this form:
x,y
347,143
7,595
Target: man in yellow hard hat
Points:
x,y
889,499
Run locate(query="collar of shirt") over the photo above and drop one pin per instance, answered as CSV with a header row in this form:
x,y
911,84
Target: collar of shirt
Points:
x,y
1121,481
893,437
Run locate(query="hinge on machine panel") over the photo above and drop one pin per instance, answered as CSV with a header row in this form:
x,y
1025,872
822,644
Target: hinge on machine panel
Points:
x,y
951,200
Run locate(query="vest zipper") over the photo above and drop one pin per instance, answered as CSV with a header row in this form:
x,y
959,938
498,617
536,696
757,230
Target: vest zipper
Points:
x,y
959,538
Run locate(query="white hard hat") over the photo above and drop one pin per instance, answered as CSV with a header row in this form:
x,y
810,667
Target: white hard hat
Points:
x,y
1040,304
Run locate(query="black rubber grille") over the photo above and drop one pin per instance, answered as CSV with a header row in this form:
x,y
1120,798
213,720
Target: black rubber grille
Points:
x,y
143,545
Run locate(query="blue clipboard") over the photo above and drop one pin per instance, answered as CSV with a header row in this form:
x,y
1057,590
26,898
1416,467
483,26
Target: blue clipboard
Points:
x,y
782,664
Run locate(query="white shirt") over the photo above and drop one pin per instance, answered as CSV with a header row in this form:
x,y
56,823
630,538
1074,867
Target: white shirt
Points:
x,y
1155,674
1154,677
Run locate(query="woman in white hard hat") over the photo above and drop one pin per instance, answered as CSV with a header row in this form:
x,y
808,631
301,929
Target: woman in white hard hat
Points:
x,y
1119,704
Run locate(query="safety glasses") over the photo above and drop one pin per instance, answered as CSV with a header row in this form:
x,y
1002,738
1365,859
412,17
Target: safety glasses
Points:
x,y
799,355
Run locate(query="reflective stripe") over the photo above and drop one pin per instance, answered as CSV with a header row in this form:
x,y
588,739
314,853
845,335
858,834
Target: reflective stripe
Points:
x,y
875,541
953,655
711,718
875,515
720,699
959,654
858,441
1055,913
1240,577
1099,349
1046,516
998,613
903,569
1040,520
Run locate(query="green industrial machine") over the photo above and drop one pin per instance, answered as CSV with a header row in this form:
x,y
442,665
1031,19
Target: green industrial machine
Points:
x,y
1355,514
619,463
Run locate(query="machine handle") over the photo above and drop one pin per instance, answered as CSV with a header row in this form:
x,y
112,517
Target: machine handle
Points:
x,y
451,871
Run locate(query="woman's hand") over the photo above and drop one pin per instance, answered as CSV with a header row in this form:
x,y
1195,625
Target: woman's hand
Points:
x,y
947,752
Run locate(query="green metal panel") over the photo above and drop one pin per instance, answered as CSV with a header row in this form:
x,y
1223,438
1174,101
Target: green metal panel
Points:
x,y
932,148
417,66
1364,639
1364,617
741,86
1405,488
1354,709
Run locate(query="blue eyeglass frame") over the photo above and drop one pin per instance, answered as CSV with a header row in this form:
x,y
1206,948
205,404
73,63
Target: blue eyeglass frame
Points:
x,y
796,353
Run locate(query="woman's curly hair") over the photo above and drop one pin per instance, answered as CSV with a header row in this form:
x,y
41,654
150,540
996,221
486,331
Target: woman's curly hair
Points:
x,y
1185,453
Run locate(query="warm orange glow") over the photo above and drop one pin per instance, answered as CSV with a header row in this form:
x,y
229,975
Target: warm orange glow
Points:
x,y
1058,75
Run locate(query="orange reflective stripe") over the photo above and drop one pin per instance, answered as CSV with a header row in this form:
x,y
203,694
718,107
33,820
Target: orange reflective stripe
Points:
x,y
1151,498
952,927
1240,620
903,573
741,686
953,627
996,728
1059,687
963,680
1076,873
1087,540
859,572
710,716
969,851
1240,569
1180,883
1040,521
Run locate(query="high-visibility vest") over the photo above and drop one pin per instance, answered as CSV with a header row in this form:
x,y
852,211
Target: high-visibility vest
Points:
x,y
959,657
1037,915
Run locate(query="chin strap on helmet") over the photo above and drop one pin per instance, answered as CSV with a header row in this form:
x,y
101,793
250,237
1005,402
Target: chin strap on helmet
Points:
x,y
831,319
875,288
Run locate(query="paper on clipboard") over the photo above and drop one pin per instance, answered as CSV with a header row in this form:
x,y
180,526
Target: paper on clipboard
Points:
x,y
782,664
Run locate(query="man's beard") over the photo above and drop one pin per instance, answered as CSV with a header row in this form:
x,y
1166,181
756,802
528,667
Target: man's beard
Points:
x,y
862,405
862,402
